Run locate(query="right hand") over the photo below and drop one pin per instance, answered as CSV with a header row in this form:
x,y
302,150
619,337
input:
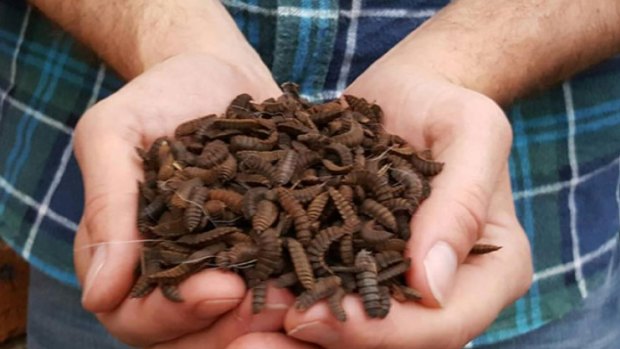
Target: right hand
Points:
x,y
152,105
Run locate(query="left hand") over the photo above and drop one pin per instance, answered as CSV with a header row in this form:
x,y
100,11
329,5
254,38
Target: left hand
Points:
x,y
471,201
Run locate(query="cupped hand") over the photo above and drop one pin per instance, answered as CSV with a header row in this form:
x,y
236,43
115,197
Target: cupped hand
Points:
x,y
471,202
152,105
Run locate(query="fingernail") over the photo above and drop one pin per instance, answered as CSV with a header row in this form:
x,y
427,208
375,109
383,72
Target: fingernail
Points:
x,y
96,264
214,307
440,265
316,332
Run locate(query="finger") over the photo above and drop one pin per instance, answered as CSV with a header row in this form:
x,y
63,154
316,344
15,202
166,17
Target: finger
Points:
x,y
264,340
104,148
239,322
484,285
153,319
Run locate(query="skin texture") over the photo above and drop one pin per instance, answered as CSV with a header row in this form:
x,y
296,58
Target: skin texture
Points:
x,y
445,81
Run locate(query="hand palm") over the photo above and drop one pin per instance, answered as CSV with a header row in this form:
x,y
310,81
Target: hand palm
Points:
x,y
152,105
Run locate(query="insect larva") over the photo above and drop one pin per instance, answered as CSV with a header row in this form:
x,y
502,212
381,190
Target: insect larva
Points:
x,y
286,280
317,205
266,214
149,265
269,253
190,127
239,103
372,235
338,269
403,293
391,245
320,244
194,212
337,126
384,293
380,213
259,295
301,263
484,248
181,155
181,196
345,209
236,124
334,302
342,152
227,169
170,228
299,147
209,132
171,257
336,169
236,237
359,105
400,204
404,226
349,283
323,288
252,179
205,253
371,182
412,180
425,166
208,176
214,208
213,154
353,137
152,155
394,270
175,274
293,127
285,222
270,156
346,249
155,209
400,163
285,168
238,253
387,258
347,193
250,200
259,166
216,233
300,218
173,246
324,113
306,159
305,118
367,284
233,200
307,194
171,292
242,142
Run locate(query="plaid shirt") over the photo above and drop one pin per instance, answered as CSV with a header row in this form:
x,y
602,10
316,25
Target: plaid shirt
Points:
x,y
564,164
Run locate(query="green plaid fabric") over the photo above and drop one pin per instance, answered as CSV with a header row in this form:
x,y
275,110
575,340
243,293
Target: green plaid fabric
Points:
x,y
565,161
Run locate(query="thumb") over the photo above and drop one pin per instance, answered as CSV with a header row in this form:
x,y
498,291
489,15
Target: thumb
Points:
x,y
451,220
104,149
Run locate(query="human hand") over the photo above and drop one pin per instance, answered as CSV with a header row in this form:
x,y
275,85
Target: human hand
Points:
x,y
471,200
152,105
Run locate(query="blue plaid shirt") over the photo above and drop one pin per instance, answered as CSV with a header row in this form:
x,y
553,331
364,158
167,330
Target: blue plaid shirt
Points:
x,y
564,165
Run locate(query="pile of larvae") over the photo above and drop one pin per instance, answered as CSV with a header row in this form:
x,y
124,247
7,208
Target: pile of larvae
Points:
x,y
317,198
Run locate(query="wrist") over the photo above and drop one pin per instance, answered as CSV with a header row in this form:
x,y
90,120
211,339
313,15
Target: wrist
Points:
x,y
506,49
199,27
